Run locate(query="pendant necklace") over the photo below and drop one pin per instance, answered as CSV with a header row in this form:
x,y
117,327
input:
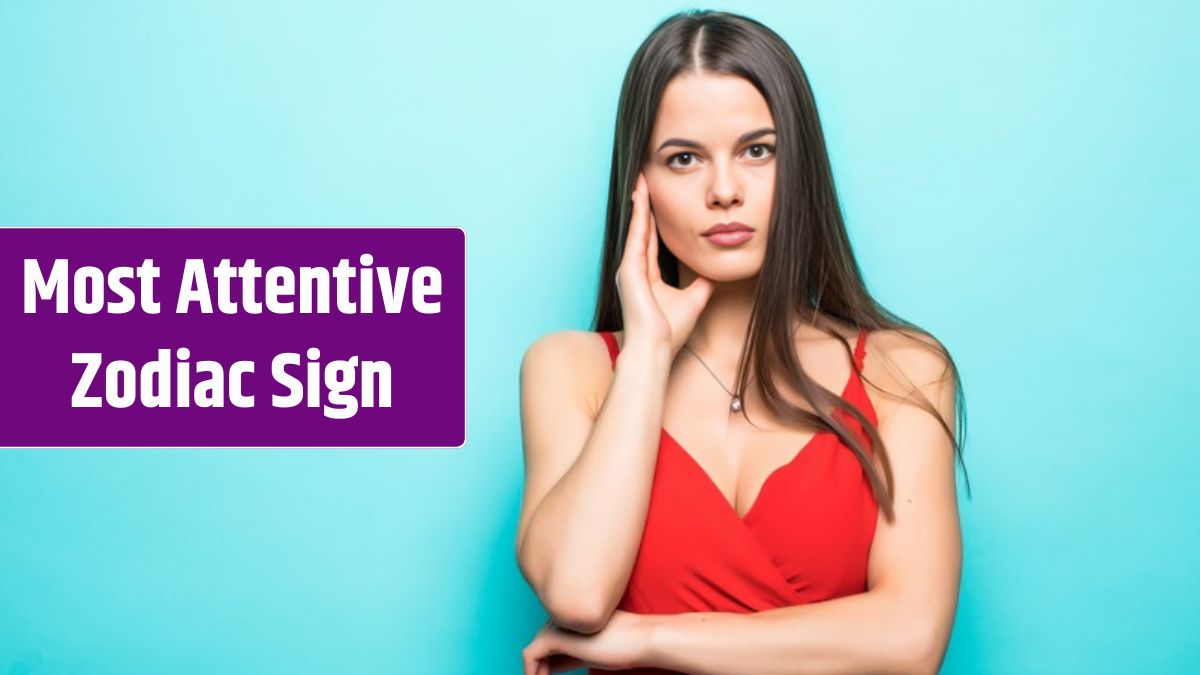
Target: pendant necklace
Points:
x,y
736,404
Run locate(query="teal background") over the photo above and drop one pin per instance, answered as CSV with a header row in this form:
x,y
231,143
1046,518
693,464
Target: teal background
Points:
x,y
1019,178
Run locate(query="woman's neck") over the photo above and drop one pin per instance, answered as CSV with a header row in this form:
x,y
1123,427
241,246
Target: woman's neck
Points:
x,y
720,331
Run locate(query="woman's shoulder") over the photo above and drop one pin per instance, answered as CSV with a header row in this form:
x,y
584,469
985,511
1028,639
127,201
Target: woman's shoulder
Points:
x,y
569,343
574,360
901,362
916,354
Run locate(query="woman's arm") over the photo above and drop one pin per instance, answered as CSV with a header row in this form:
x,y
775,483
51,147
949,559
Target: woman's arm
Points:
x,y
587,483
903,623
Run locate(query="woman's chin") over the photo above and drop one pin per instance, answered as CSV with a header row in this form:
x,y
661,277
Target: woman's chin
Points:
x,y
728,275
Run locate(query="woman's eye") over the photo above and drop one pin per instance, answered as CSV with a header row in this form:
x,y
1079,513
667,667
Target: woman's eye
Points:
x,y
682,159
760,150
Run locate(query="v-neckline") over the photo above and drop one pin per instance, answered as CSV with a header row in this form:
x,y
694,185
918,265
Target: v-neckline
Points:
x,y
716,489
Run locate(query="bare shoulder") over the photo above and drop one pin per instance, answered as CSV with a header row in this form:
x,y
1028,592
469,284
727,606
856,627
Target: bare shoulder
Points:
x,y
904,366
575,363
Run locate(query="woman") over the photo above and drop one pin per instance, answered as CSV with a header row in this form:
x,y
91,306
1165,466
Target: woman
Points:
x,y
779,528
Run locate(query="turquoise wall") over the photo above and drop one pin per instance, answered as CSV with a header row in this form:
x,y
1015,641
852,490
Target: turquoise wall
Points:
x,y
1019,178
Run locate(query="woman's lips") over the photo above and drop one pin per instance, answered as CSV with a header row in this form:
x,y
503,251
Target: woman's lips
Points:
x,y
730,238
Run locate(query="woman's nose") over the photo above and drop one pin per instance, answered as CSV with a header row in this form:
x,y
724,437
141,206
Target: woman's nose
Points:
x,y
725,190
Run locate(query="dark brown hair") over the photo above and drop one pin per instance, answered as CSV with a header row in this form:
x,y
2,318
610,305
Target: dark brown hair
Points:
x,y
809,272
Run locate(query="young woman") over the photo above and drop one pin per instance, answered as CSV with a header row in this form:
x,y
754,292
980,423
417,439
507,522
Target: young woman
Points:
x,y
748,465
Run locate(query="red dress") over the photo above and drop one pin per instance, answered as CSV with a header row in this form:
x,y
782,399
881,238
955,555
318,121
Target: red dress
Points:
x,y
806,537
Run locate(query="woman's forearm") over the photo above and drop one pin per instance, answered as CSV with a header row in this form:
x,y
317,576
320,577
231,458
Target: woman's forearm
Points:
x,y
583,537
869,632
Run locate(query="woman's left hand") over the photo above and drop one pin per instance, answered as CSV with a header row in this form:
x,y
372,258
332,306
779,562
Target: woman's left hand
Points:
x,y
621,644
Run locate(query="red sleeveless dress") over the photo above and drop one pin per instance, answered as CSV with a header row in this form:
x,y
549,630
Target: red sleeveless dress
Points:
x,y
806,537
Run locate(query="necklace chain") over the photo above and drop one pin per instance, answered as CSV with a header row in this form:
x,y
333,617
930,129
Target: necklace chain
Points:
x,y
736,404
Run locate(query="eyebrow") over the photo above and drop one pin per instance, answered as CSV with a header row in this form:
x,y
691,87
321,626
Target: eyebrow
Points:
x,y
746,137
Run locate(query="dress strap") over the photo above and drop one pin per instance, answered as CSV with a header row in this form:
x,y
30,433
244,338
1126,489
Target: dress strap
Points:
x,y
613,349
860,349
858,391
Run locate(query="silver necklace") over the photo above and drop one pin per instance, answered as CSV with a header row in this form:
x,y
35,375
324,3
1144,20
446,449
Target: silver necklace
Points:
x,y
736,404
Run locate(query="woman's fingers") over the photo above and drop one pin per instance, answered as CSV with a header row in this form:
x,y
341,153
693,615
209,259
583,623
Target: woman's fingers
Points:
x,y
632,283
534,658
547,655
536,652
640,227
634,237
562,663
654,270
643,214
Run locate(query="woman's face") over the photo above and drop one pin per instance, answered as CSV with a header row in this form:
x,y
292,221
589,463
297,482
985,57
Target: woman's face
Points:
x,y
712,160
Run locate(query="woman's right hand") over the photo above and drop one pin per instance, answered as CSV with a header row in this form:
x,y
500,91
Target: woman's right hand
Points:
x,y
654,311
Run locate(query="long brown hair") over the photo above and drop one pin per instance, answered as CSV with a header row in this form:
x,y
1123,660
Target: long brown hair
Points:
x,y
809,272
